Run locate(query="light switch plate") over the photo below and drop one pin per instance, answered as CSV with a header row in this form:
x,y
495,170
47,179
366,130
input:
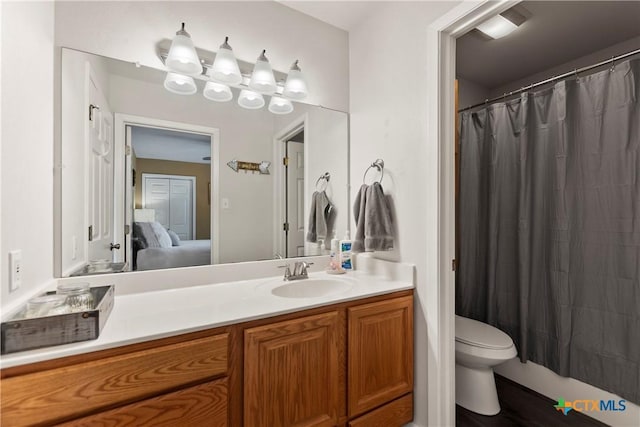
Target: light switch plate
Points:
x,y
15,270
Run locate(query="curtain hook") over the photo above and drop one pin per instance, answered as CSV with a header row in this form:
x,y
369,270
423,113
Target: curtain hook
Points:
x,y
613,64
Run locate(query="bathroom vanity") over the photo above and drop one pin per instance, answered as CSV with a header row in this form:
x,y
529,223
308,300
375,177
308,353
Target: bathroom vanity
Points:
x,y
175,357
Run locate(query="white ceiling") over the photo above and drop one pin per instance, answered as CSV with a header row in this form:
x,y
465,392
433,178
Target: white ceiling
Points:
x,y
163,144
555,33
345,15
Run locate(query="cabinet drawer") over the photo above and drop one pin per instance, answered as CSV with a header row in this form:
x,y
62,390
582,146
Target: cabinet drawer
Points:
x,y
72,391
394,414
202,405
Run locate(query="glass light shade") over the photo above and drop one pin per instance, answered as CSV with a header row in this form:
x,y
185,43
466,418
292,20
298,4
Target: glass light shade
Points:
x,y
497,27
182,57
217,92
179,84
295,87
262,79
250,99
225,67
279,105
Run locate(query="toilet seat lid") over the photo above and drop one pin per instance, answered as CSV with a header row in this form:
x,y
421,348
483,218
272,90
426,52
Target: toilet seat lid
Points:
x,y
480,334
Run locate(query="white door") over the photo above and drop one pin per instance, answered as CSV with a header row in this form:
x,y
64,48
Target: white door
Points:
x,y
100,174
181,214
157,192
172,199
295,199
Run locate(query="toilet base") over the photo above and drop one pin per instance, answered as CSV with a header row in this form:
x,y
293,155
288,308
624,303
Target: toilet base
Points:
x,y
476,390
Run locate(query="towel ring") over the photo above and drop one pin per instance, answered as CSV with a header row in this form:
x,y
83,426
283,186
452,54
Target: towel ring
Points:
x,y
324,177
379,165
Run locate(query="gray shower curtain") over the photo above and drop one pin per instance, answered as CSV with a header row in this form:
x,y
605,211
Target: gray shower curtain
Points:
x,y
550,226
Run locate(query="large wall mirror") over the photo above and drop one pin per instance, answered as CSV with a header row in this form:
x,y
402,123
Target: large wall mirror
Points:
x,y
150,179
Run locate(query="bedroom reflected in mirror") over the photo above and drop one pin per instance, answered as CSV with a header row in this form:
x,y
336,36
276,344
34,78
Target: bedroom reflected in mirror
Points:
x,y
144,181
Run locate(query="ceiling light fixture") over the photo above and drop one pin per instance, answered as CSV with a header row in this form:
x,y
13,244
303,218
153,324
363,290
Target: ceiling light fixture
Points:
x,y
295,87
225,67
262,79
182,57
504,23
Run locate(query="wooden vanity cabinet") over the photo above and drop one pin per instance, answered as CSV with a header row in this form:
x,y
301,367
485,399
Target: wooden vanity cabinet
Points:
x,y
348,364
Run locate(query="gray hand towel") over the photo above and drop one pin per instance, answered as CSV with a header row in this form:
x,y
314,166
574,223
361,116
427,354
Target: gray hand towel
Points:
x,y
378,226
374,227
359,215
321,218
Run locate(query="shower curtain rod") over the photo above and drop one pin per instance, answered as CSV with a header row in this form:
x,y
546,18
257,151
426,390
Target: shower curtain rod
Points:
x,y
554,78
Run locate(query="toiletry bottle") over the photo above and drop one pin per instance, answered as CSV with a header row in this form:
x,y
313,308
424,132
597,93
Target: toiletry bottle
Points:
x,y
334,266
345,252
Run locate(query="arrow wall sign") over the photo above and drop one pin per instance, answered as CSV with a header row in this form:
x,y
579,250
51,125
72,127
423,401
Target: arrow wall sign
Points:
x,y
262,167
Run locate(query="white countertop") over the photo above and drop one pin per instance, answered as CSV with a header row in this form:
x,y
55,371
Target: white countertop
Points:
x,y
146,316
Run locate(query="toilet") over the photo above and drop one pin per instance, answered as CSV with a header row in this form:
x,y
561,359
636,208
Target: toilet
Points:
x,y
479,347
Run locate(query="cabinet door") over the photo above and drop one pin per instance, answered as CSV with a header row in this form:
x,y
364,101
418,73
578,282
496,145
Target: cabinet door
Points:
x,y
380,366
292,372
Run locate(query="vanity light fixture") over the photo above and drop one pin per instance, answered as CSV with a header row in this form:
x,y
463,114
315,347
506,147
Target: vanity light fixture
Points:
x,y
262,79
180,84
295,87
224,73
225,67
279,105
182,57
217,92
250,99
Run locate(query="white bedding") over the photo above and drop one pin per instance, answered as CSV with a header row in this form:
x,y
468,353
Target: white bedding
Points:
x,y
189,253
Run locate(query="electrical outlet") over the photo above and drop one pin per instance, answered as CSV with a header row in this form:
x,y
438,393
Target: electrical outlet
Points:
x,y
15,270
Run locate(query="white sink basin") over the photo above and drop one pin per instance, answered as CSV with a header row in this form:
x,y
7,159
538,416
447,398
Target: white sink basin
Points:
x,y
311,288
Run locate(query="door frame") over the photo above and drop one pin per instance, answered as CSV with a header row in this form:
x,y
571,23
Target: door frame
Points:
x,y
279,208
441,57
124,176
182,177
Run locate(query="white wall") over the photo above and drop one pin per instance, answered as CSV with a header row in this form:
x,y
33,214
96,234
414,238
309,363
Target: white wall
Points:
x,y
389,111
27,144
131,30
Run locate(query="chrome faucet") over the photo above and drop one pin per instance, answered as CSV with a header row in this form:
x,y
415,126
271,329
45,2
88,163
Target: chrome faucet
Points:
x,y
299,270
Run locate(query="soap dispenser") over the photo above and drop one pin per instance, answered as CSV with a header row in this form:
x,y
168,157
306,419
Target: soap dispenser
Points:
x,y
345,252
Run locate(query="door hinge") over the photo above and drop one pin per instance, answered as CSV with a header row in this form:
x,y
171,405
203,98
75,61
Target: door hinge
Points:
x,y
285,226
454,265
127,229
285,161
91,233
127,150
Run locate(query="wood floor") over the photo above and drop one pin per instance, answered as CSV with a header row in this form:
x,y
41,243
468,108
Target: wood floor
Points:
x,y
523,407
